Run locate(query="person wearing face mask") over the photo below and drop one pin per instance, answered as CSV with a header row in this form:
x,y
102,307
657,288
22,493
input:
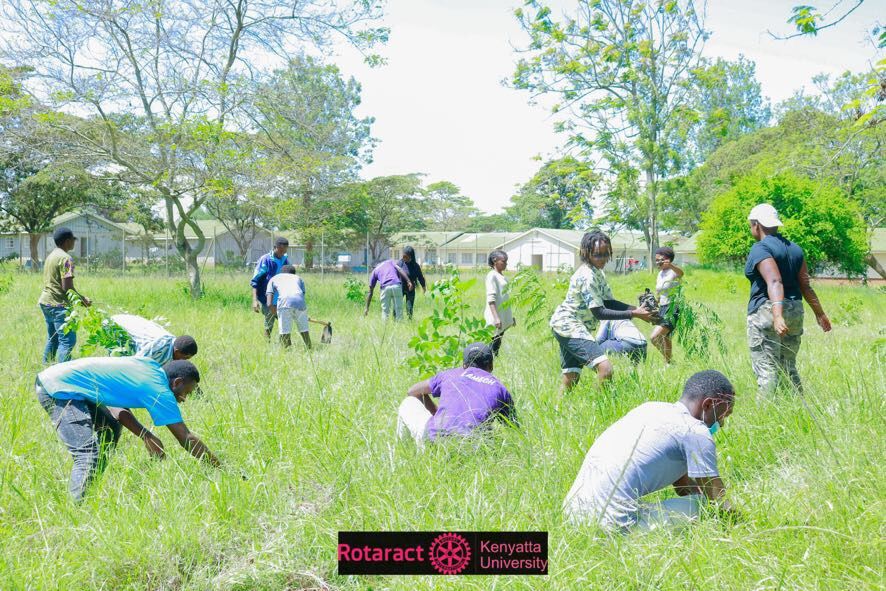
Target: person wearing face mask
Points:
x,y
654,446
588,301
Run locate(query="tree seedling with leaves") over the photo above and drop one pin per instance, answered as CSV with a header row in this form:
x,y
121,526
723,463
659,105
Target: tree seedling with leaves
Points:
x,y
100,329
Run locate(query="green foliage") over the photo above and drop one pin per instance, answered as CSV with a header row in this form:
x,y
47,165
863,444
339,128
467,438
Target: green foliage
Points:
x,y
817,216
529,292
101,331
699,329
355,290
557,196
6,282
849,311
442,336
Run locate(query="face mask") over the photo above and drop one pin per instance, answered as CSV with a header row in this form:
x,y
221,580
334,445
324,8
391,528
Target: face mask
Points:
x,y
715,427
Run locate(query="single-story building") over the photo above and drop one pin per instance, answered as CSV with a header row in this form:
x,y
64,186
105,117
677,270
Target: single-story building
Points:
x,y
427,245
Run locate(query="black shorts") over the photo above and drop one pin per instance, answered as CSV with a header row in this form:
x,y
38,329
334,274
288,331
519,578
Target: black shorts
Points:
x,y
670,315
576,353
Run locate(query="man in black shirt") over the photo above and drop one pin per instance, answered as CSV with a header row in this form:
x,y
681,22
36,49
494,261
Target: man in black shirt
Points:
x,y
780,281
413,270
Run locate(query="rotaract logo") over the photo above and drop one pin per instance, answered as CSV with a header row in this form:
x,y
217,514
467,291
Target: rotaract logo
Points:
x,y
450,554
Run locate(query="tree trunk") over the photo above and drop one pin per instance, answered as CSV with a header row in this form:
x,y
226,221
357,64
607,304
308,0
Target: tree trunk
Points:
x,y
874,264
34,240
652,216
309,253
194,276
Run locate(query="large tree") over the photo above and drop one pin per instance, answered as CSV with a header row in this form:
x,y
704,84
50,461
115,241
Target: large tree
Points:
x,y
557,196
445,208
620,70
165,80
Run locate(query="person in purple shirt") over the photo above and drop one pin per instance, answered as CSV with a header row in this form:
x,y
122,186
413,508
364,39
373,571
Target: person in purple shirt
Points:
x,y
391,278
470,397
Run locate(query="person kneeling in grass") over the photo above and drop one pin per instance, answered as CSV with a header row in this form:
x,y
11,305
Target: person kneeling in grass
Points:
x,y
622,337
288,290
88,401
470,398
149,339
656,445
588,299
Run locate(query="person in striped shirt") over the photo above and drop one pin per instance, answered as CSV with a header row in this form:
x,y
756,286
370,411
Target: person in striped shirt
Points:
x,y
149,339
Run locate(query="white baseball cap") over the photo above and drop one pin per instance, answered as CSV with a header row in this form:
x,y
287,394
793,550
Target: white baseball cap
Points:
x,y
765,215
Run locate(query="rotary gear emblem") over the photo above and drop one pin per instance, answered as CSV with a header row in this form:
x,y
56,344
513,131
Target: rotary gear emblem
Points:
x,y
450,554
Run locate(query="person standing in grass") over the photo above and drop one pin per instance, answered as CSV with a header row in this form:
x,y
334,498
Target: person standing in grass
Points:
x,y
265,269
669,276
588,300
776,268
410,266
88,399
286,300
58,282
149,339
391,279
496,313
654,446
470,398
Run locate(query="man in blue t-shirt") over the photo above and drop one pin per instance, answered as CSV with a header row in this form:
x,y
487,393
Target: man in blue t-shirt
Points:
x,y
780,281
470,397
267,266
88,401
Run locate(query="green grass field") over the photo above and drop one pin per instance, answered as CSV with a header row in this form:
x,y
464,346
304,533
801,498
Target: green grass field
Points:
x,y
314,433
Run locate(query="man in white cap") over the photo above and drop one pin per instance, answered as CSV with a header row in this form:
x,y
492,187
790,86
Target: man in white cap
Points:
x,y
780,281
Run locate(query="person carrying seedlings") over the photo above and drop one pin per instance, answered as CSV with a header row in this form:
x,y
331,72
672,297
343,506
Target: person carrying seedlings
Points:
x,y
410,266
149,339
654,446
286,299
495,313
392,279
622,337
265,269
470,398
58,282
776,268
669,276
588,300
88,399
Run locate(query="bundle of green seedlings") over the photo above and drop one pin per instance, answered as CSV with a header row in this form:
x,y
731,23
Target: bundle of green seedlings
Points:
x,y
443,335
101,331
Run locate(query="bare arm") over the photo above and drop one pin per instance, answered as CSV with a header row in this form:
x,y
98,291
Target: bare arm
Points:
x,y
128,420
812,298
677,270
686,486
404,277
775,288
192,443
493,307
422,391
68,285
368,299
715,491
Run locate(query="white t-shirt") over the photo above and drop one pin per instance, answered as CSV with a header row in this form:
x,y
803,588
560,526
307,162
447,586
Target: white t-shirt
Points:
x,y
666,281
497,291
150,339
620,330
646,450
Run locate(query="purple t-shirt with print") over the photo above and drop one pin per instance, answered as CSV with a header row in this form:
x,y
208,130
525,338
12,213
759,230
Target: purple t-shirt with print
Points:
x,y
468,398
386,274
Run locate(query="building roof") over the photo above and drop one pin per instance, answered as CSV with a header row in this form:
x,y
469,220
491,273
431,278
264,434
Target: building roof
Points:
x,y
69,217
421,238
480,241
621,240
687,245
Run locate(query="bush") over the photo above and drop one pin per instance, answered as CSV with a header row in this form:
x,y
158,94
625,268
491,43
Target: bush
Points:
x,y
355,290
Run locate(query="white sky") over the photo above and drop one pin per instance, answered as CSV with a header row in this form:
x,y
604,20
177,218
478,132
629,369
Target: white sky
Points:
x,y
441,109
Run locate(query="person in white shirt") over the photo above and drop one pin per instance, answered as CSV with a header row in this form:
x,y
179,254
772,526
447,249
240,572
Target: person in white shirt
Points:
x,y
668,278
149,339
656,445
286,300
496,313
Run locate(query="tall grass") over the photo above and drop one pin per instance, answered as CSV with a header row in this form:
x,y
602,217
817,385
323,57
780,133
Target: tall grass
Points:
x,y
313,433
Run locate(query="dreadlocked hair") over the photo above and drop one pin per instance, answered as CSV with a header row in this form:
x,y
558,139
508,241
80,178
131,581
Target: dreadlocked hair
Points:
x,y
592,241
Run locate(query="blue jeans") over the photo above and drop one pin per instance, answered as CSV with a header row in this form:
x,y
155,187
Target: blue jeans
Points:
x,y
58,344
89,432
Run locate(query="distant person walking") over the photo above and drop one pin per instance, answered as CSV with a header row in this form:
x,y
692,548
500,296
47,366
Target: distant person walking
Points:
x,y
496,313
391,279
669,276
413,270
776,268
266,267
286,300
588,300
149,339
58,282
